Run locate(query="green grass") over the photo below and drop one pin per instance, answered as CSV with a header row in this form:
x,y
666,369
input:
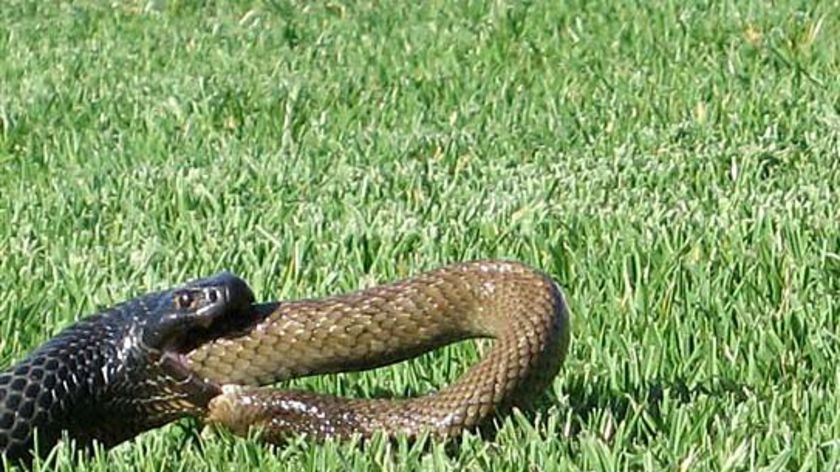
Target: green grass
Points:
x,y
673,164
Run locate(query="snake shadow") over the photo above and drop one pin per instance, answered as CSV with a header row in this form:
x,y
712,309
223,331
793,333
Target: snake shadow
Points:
x,y
582,401
585,401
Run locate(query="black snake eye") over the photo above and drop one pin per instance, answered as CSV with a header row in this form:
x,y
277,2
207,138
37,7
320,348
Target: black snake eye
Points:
x,y
185,300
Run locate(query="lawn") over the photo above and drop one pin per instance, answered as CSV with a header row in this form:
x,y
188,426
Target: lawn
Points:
x,y
674,165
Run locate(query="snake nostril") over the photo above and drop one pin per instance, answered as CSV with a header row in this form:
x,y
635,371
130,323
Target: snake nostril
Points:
x,y
212,295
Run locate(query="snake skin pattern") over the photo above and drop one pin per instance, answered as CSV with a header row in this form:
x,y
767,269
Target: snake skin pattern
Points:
x,y
521,308
204,348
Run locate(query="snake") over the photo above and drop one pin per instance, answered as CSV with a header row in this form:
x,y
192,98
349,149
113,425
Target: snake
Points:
x,y
115,374
206,349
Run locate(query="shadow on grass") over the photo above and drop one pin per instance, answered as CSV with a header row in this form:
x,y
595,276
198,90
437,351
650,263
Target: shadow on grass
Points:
x,y
586,401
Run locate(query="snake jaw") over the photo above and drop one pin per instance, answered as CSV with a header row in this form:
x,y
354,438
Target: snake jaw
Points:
x,y
192,313
187,317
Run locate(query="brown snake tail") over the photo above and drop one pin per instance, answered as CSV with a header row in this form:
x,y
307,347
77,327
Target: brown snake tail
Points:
x,y
522,308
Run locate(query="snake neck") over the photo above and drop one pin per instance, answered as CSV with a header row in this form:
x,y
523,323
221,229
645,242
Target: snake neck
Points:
x,y
52,385
81,381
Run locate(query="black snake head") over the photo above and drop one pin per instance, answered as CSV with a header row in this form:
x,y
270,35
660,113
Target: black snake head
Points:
x,y
178,320
188,315
161,327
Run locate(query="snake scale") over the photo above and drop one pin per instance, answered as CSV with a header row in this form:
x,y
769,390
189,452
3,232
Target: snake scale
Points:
x,y
205,348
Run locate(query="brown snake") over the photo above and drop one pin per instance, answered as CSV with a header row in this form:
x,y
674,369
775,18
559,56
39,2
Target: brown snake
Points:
x,y
522,308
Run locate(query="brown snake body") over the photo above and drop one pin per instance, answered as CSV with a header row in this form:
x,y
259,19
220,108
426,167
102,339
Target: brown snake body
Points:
x,y
522,308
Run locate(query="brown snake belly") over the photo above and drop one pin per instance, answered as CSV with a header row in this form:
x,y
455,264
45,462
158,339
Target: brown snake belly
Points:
x,y
522,308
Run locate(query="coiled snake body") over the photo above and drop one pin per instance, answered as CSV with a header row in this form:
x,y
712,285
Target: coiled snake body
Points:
x,y
203,349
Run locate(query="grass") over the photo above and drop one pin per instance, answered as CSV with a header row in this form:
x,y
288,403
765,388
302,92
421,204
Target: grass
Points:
x,y
674,165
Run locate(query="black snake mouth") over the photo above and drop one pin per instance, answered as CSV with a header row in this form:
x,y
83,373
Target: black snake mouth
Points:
x,y
231,325
225,327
